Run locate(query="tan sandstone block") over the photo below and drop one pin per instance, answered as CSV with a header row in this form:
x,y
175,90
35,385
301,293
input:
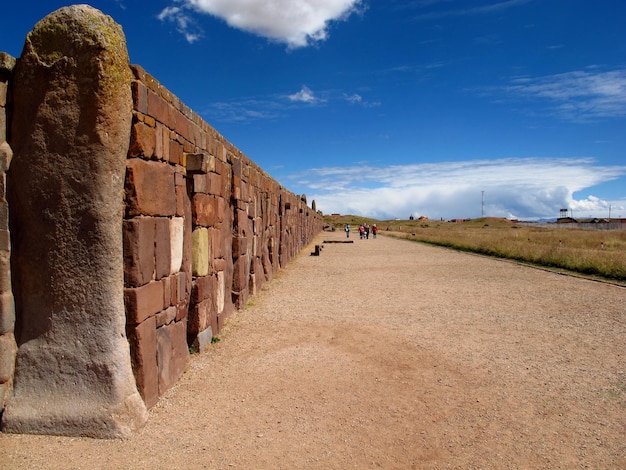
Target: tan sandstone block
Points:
x,y
200,252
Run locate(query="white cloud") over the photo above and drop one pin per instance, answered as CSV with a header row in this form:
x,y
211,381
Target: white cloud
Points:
x,y
478,10
297,23
183,22
578,95
527,188
305,95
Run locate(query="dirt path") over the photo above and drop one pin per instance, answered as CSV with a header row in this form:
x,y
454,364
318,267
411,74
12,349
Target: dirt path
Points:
x,y
389,354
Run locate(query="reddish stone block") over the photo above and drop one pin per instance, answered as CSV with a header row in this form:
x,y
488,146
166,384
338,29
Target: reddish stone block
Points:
x,y
165,137
240,246
199,315
157,107
172,354
181,126
202,289
240,274
163,249
216,186
142,140
150,188
237,168
176,153
181,288
219,264
236,187
166,317
167,291
158,141
143,353
206,210
139,262
181,200
140,96
200,183
143,302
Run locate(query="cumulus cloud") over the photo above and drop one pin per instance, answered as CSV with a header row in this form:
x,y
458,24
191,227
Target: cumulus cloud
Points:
x,y
527,188
305,95
297,23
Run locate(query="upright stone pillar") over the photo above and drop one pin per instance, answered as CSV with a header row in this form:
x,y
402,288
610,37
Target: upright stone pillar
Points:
x,y
70,136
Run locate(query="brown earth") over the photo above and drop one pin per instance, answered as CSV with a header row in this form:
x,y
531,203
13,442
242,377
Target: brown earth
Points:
x,y
386,353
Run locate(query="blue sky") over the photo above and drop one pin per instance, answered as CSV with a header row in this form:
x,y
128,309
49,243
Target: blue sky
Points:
x,y
442,108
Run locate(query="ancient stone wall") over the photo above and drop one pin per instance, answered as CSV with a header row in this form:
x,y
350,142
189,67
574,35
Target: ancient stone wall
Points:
x,y
7,307
171,239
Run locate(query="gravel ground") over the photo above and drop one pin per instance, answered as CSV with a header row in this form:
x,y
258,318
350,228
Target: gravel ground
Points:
x,y
385,353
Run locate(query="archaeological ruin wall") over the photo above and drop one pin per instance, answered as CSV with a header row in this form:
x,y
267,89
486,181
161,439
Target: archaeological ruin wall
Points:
x,y
131,230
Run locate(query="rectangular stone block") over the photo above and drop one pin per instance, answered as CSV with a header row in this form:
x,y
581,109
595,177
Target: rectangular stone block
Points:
x,y
172,354
158,108
143,352
199,163
143,302
240,274
163,249
200,183
166,316
221,292
240,246
158,141
201,289
140,96
181,292
219,264
142,140
200,252
176,153
216,185
177,226
139,261
199,317
208,211
150,188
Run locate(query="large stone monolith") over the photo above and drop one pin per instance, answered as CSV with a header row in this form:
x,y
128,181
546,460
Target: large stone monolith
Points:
x,y
71,128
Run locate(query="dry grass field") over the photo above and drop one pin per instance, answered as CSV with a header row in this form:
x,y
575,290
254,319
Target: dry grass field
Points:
x,y
600,253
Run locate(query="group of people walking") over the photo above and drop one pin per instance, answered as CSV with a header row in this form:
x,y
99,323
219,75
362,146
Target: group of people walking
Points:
x,y
364,231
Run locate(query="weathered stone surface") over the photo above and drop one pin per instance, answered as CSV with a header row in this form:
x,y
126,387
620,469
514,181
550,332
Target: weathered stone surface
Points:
x,y
144,356
208,210
7,355
150,188
166,317
7,313
7,64
199,162
142,140
163,248
143,302
6,155
200,252
177,229
71,123
172,353
202,340
139,257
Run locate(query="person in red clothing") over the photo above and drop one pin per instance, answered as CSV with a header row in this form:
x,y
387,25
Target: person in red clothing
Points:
x,y
374,230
